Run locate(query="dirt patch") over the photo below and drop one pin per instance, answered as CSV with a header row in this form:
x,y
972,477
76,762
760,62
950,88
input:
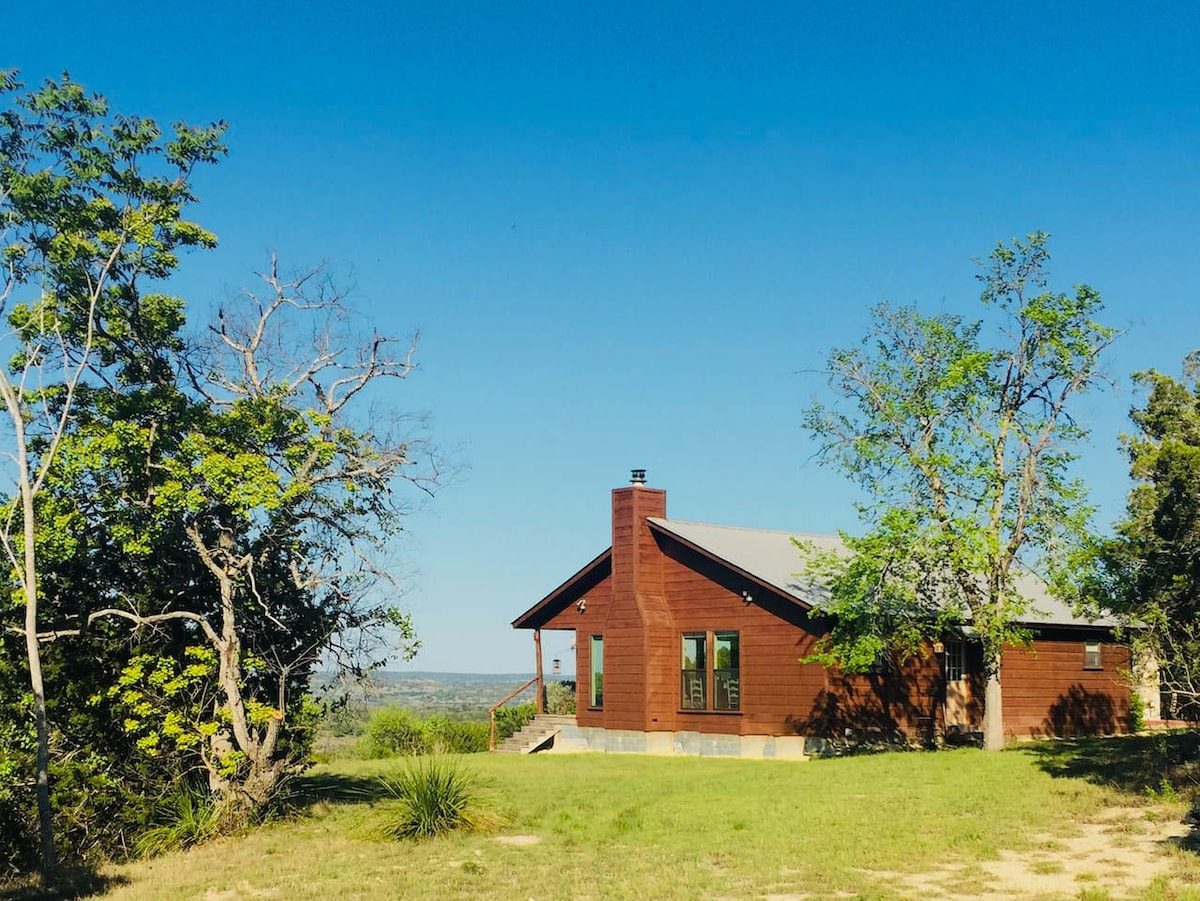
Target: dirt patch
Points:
x,y
1118,850
243,890
518,839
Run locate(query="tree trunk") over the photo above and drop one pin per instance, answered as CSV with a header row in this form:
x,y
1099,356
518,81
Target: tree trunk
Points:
x,y
993,702
260,785
42,724
246,794
36,682
29,583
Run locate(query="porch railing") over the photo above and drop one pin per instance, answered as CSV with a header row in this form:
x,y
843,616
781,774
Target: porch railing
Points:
x,y
492,710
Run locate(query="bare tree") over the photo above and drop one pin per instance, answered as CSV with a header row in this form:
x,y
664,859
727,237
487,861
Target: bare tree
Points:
x,y
287,501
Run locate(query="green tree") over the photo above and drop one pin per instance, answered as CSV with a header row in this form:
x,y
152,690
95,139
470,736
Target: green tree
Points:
x,y
91,208
250,510
1150,569
961,434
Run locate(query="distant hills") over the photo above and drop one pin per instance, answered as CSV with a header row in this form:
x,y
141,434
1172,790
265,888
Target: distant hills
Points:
x,y
457,695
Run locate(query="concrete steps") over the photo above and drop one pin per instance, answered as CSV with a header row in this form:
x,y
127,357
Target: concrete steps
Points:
x,y
534,735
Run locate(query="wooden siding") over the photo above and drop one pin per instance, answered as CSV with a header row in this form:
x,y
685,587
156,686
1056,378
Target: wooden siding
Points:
x,y
586,623
1048,691
704,596
908,702
779,694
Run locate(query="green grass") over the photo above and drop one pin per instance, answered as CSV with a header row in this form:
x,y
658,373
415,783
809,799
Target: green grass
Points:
x,y
1164,765
626,826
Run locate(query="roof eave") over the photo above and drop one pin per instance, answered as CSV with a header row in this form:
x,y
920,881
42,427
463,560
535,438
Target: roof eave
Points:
x,y
557,600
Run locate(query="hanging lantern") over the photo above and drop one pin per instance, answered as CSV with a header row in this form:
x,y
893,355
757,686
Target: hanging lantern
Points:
x,y
557,664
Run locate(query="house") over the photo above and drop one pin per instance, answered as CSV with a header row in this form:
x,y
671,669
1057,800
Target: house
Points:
x,y
689,636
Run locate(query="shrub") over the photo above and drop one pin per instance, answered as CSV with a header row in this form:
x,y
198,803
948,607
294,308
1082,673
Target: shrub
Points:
x,y
435,795
396,732
18,835
560,698
511,719
18,819
393,732
1137,712
445,736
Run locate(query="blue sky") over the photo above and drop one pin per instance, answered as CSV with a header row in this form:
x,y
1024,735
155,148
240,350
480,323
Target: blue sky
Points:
x,y
628,234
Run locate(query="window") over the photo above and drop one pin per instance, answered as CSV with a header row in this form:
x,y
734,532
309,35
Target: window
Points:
x,y
597,698
1091,655
694,671
726,671
954,661
710,681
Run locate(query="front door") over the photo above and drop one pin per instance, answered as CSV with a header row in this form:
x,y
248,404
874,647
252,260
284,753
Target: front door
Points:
x,y
958,690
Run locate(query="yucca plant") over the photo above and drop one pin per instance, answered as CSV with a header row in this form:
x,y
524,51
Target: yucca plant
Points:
x,y
435,795
186,816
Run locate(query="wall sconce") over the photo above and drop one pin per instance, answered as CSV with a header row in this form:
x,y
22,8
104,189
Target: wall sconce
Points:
x,y
581,604
939,648
747,597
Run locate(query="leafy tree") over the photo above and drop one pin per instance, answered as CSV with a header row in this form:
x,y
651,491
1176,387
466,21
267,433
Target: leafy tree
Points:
x,y
250,511
196,522
960,431
1150,570
91,213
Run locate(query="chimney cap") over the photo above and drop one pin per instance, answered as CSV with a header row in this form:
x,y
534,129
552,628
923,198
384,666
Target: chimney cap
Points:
x,y
637,477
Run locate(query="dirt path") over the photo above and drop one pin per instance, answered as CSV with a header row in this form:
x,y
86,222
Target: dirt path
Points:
x,y
1121,850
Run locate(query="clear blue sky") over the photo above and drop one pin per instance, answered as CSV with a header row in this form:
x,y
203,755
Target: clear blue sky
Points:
x,y
626,231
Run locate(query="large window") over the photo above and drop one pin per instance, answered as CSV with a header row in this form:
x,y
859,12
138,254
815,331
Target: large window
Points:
x,y
710,681
597,698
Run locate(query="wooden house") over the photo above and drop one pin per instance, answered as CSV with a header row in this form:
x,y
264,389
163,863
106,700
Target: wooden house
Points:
x,y
689,637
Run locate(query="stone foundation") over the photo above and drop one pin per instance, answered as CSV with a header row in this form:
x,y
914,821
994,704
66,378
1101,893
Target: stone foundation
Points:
x,y
695,744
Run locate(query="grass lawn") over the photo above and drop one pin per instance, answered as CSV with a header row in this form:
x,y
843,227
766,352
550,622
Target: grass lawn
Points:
x,y
626,826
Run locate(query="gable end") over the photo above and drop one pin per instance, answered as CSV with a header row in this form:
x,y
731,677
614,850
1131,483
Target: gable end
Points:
x,y
587,578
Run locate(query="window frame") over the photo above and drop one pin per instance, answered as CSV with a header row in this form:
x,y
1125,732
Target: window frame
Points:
x,y
704,687
1088,663
596,675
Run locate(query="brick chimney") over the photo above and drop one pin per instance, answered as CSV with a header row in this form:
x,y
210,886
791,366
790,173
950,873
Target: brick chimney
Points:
x,y
640,649
636,561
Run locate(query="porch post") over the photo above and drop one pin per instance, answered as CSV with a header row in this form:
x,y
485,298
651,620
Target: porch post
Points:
x,y
537,647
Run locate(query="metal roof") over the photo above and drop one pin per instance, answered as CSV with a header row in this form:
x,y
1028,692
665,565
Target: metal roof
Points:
x,y
772,557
